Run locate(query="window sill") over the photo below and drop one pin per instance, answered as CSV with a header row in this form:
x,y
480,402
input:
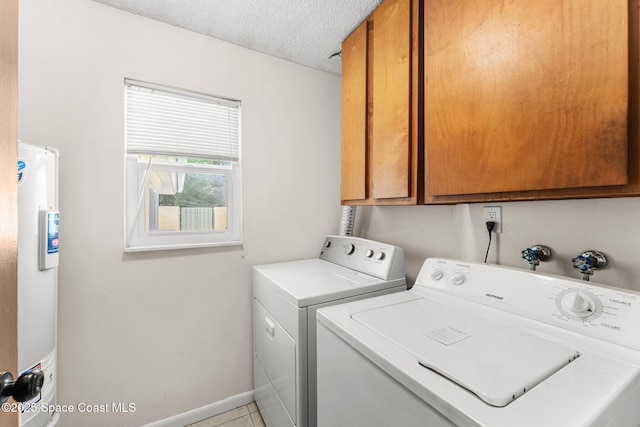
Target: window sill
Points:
x,y
184,246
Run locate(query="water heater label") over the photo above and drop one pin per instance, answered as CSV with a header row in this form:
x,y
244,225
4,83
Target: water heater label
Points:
x,y
46,398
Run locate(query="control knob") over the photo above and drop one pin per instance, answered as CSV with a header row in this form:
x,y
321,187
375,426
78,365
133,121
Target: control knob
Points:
x,y
380,255
349,249
437,274
369,253
578,304
458,278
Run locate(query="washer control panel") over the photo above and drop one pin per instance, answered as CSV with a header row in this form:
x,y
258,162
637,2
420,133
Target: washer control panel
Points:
x,y
366,256
598,310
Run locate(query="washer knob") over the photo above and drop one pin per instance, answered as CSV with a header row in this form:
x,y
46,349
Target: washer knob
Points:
x,y
437,274
380,255
458,278
349,249
578,304
369,253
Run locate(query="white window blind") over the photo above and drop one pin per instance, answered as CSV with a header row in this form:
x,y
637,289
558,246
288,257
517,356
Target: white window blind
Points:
x,y
169,122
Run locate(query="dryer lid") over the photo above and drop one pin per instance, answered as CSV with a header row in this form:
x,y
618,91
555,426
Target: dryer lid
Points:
x,y
315,281
496,362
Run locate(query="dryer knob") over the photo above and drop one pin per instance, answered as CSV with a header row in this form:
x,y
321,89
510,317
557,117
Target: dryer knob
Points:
x,y
369,253
458,278
437,274
379,255
349,249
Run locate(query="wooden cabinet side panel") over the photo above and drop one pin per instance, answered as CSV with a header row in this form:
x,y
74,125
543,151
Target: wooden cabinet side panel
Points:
x,y
525,95
391,87
354,115
8,194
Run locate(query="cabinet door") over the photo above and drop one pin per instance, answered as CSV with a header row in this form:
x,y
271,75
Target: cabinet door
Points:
x,y
391,95
525,95
354,115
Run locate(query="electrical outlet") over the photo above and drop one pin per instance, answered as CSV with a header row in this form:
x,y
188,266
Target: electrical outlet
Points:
x,y
493,213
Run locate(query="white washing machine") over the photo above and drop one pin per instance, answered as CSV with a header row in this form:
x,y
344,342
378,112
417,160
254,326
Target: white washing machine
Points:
x,y
479,345
285,299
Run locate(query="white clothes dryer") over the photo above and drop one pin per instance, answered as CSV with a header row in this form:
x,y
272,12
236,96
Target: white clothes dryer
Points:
x,y
479,345
286,297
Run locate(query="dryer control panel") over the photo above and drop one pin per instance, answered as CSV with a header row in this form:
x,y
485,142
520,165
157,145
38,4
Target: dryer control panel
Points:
x,y
601,311
376,259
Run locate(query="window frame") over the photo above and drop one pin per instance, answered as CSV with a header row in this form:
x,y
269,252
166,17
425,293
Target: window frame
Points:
x,y
136,236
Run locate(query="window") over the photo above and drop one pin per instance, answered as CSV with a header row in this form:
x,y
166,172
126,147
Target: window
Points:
x,y
182,169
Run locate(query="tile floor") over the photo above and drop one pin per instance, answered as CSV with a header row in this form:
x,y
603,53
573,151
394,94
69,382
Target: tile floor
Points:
x,y
244,416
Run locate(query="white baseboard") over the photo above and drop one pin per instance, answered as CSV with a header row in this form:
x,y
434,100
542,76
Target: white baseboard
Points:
x,y
204,412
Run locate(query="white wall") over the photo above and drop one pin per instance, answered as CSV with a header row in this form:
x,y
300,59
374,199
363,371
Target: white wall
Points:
x,y
169,331
611,226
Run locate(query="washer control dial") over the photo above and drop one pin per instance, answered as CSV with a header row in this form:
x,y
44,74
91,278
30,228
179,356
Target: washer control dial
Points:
x,y
579,304
349,249
369,253
379,255
458,278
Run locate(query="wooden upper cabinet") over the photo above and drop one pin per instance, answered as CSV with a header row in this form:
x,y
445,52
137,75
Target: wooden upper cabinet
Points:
x,y
391,95
451,101
524,95
381,83
354,115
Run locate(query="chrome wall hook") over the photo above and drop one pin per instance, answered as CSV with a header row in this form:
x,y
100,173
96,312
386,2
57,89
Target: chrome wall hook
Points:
x,y
588,262
535,254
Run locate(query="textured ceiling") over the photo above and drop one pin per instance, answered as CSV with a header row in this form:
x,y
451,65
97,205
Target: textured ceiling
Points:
x,y
306,32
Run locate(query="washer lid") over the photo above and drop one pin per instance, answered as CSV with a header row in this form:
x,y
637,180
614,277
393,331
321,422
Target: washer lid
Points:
x,y
314,281
496,362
